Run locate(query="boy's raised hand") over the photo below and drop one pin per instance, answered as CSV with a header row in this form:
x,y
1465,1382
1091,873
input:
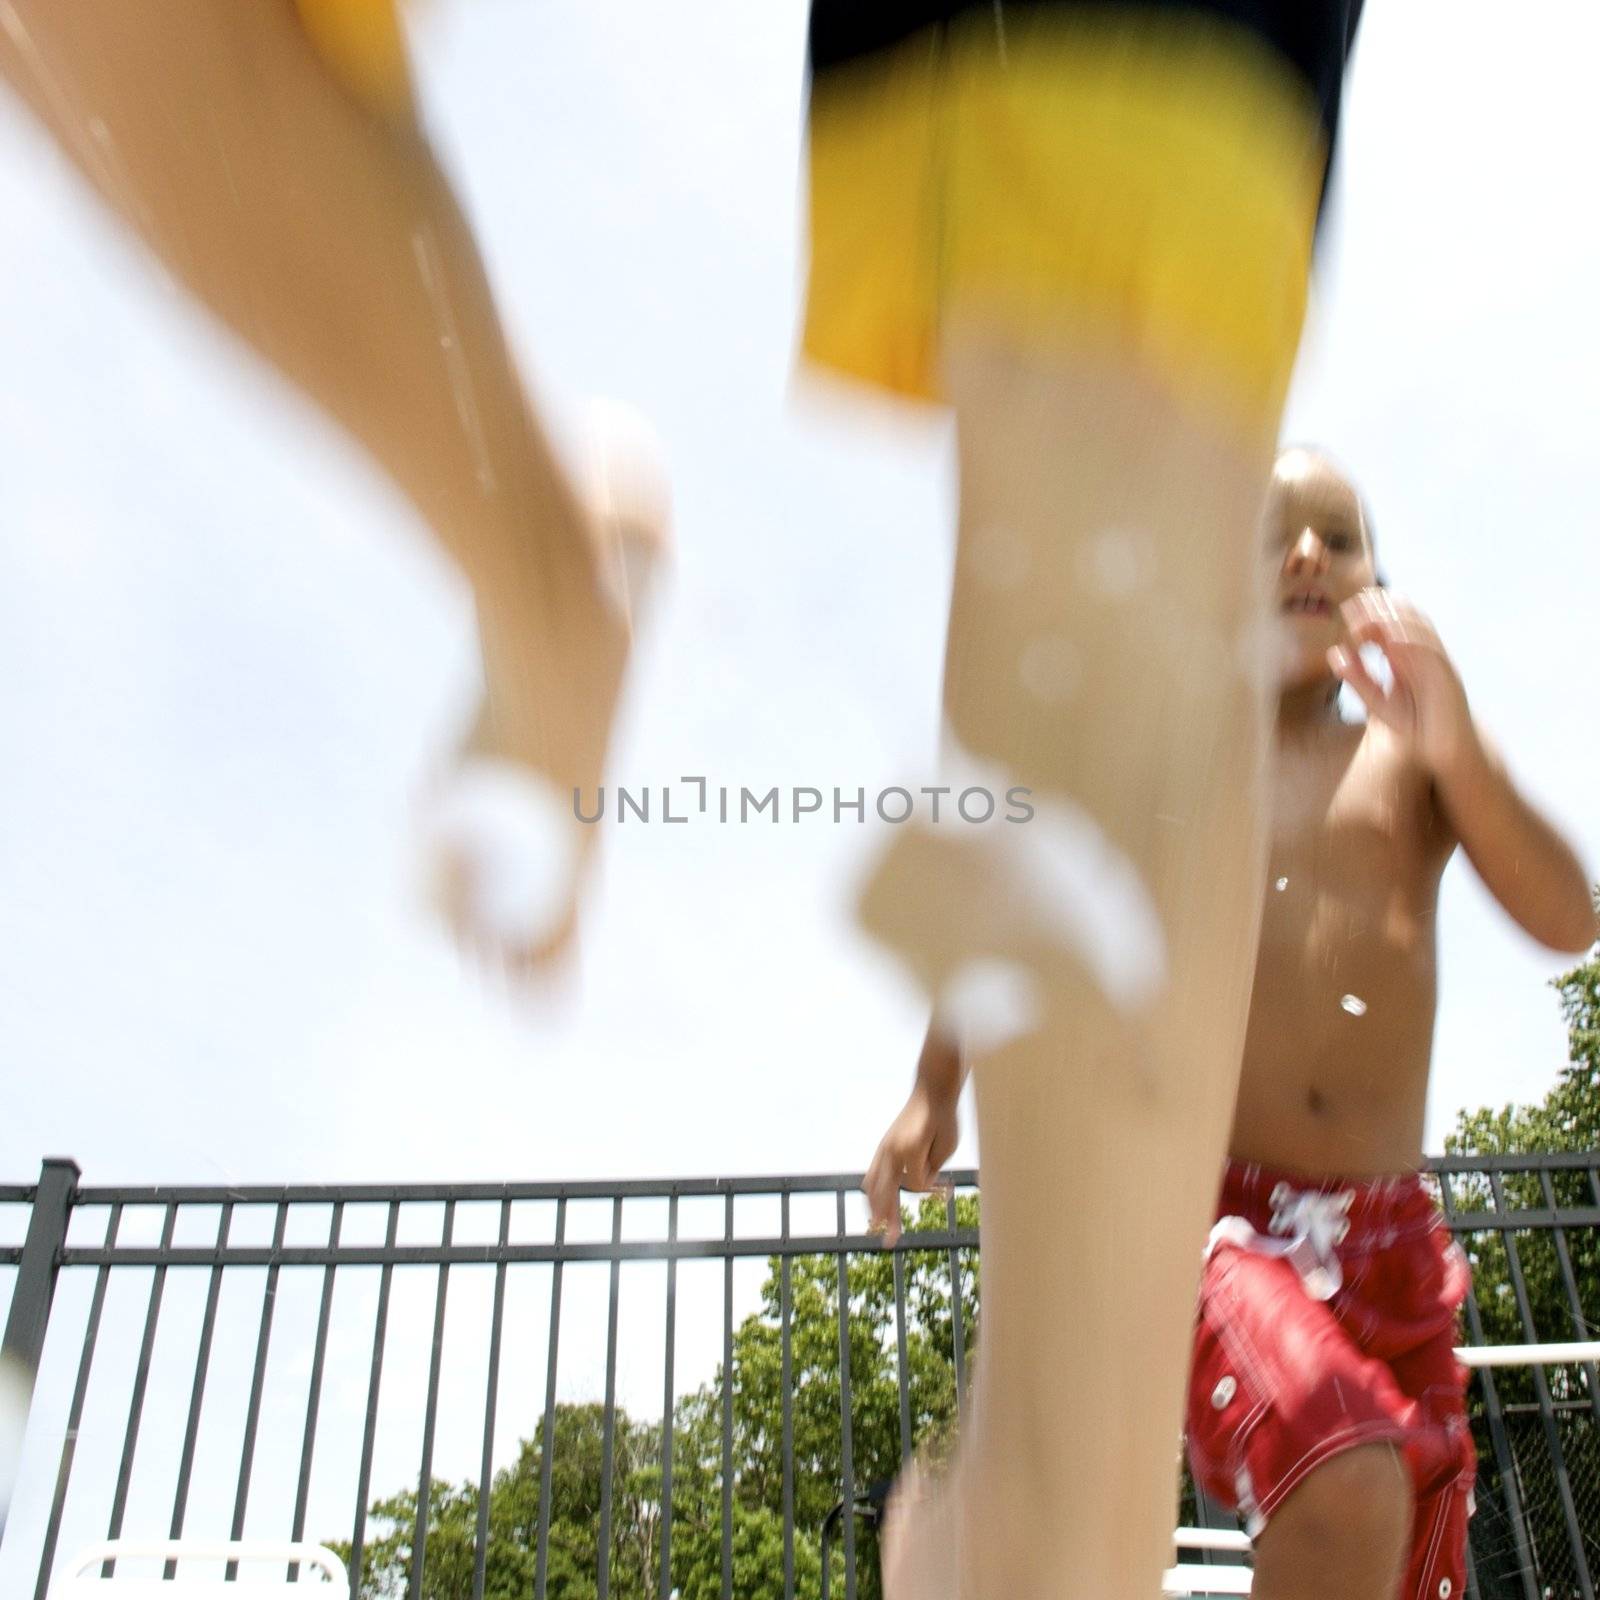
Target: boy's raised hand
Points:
x,y
1427,706
909,1156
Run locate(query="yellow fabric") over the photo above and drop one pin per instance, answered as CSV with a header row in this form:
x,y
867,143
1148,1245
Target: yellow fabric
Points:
x,y
363,43
1151,184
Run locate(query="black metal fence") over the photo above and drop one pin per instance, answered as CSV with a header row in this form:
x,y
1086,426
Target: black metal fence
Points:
x,y
623,1390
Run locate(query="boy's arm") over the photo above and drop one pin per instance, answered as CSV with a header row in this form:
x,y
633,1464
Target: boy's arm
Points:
x,y
941,1070
922,1138
1528,867
1525,863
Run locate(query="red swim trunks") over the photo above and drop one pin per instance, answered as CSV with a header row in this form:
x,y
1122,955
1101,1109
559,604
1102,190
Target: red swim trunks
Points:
x,y
1327,1320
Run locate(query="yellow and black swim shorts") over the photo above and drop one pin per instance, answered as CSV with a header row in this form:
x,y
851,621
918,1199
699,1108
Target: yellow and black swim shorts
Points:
x,y
1148,172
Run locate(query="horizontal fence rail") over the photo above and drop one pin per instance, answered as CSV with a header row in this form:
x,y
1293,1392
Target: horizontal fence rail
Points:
x,y
697,1388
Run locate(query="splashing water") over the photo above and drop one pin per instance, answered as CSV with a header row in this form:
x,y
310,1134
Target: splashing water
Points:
x,y
1074,882
1355,1005
1281,885
987,1004
516,841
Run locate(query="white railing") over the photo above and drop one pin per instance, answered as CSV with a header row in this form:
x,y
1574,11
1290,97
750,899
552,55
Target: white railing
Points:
x,y
1528,1355
81,1579
1191,1578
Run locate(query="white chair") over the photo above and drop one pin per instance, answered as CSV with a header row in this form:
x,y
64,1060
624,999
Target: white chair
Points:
x,y
1188,1579
321,1571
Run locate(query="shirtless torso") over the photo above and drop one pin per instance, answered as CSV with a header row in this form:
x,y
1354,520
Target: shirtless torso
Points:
x,y
1339,1039
1340,1034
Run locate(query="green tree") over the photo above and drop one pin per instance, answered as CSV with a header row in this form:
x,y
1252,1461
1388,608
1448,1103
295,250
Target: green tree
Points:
x,y
1567,1119
511,1551
756,1391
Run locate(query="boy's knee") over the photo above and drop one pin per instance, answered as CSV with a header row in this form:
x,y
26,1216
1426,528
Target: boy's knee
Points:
x,y
1359,1503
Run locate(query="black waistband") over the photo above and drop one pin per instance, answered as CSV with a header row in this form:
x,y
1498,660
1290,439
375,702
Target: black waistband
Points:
x,y
1313,37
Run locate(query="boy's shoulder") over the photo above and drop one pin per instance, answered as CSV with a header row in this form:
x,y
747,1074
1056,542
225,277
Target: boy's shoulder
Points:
x,y
1352,769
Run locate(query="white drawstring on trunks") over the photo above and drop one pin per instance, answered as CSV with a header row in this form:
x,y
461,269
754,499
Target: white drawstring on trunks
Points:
x,y
1307,1228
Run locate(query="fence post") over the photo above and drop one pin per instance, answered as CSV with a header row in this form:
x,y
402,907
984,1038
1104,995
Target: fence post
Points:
x,y
30,1310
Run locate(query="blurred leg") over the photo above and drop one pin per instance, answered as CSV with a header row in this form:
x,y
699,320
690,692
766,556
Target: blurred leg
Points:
x,y
1088,229
1343,1531
275,167
1105,597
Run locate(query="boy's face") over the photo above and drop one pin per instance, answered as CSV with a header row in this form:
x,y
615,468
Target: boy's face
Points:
x,y
1317,542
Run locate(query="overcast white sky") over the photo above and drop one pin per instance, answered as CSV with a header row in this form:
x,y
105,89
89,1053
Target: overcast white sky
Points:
x,y
228,659
227,656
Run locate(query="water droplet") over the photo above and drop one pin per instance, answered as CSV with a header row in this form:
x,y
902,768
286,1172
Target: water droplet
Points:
x,y
1113,564
1355,1005
430,267
1281,885
1048,667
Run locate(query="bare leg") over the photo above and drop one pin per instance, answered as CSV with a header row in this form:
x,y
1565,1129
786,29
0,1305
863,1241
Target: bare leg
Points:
x,y
306,210
1340,1535
1099,653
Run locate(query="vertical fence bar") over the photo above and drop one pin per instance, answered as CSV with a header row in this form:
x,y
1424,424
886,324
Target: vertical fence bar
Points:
x,y
1505,1461
846,1444
668,1401
547,1447
1581,1326
786,1383
308,1438
608,1416
258,1378
130,1438
28,1320
958,1328
380,1328
1541,1389
202,1366
902,1369
80,1389
727,1401
419,1536
491,1403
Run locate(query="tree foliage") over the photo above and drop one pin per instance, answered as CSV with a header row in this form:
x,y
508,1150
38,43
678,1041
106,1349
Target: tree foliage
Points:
x,y
1567,1119
755,1450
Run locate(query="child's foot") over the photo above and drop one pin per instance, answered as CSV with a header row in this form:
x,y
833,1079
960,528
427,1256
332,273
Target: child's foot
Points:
x,y
510,854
